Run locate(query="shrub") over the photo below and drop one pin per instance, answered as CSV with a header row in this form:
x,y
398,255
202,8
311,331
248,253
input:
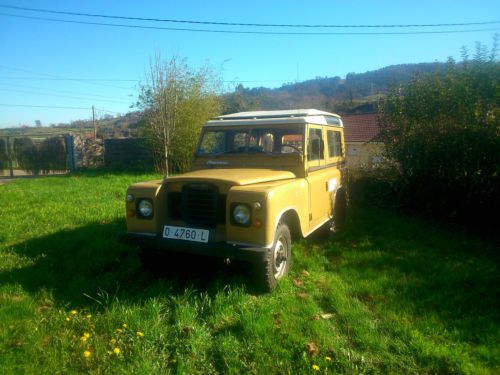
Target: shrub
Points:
x,y
443,130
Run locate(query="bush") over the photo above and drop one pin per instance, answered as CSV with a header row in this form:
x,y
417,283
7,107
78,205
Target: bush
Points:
x,y
443,131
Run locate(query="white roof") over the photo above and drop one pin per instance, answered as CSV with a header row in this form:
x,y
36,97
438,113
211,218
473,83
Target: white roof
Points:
x,y
289,116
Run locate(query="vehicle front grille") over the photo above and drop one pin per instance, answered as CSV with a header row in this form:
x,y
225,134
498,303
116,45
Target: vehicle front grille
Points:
x,y
199,205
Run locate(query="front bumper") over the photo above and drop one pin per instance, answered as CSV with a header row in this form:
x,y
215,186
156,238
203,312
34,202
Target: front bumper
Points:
x,y
211,249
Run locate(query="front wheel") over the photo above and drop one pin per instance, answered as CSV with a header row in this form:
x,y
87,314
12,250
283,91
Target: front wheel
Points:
x,y
277,261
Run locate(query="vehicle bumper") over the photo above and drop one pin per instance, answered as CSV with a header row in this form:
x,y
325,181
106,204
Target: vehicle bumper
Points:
x,y
211,249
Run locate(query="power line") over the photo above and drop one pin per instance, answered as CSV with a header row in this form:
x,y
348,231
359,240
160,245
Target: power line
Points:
x,y
41,106
64,96
245,31
54,107
133,80
244,24
57,77
88,95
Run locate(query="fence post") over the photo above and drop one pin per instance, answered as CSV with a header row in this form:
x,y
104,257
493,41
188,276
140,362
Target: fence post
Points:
x,y
70,151
9,156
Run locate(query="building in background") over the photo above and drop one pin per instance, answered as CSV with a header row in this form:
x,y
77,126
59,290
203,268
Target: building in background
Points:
x,y
363,148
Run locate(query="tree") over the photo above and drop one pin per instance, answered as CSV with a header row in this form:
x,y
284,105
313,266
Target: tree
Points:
x,y
176,101
443,131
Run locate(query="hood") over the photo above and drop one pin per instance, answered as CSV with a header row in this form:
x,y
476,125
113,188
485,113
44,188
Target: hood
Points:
x,y
242,176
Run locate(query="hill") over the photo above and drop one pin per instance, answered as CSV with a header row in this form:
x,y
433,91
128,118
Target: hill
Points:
x,y
358,92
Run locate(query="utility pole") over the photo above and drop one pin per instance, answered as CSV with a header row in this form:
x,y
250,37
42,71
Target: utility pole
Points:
x,y
93,122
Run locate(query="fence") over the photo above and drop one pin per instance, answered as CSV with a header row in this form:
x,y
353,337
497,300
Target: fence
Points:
x,y
21,156
35,155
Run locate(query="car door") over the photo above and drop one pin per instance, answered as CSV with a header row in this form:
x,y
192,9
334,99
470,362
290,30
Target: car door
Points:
x,y
318,175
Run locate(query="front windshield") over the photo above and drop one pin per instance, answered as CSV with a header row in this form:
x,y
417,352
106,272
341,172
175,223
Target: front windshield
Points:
x,y
281,140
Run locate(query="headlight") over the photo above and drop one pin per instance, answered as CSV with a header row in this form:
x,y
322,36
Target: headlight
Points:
x,y
241,214
145,208
130,198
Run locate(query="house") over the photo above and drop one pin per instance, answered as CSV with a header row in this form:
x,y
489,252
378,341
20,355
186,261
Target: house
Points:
x,y
364,150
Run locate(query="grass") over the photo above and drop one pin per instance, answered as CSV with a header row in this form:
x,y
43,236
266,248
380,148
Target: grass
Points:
x,y
390,294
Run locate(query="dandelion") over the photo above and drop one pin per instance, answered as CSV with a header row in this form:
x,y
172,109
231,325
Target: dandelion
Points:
x,y
124,325
87,354
88,316
110,352
329,359
83,338
87,335
119,330
68,319
112,341
140,334
315,367
116,351
73,312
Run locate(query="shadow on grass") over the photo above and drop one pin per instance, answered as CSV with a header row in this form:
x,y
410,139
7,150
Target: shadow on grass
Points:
x,y
407,266
88,260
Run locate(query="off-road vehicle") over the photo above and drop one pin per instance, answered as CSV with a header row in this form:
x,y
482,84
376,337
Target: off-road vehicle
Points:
x,y
258,180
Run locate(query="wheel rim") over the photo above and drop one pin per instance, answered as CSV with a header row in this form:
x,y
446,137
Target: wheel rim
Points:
x,y
279,258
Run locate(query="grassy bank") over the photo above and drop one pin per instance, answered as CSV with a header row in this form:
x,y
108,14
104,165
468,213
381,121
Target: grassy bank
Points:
x,y
390,294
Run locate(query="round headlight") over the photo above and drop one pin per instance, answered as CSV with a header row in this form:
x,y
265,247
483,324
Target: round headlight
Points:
x,y
145,208
241,214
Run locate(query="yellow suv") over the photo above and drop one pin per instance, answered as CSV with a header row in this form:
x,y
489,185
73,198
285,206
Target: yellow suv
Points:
x,y
258,180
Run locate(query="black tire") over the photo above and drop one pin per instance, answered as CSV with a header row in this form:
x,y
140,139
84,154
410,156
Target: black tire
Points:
x,y
278,260
340,209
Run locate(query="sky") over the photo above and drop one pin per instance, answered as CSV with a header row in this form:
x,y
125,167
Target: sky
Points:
x,y
74,66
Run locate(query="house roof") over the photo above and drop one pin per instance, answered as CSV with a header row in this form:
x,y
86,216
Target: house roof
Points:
x,y
360,127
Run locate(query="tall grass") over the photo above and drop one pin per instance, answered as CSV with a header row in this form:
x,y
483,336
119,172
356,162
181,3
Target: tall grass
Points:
x,y
390,294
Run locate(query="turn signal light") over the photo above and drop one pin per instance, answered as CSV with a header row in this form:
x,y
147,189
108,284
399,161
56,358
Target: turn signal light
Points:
x,y
130,213
257,223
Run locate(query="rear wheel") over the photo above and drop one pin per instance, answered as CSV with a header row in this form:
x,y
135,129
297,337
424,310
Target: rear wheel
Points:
x,y
340,209
277,261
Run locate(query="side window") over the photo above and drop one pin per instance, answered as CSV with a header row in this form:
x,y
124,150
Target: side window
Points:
x,y
334,143
239,142
316,145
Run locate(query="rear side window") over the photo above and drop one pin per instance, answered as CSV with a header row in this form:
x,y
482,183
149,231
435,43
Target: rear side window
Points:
x,y
334,143
316,145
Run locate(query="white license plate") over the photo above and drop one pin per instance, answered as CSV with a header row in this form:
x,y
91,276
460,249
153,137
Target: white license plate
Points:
x,y
186,234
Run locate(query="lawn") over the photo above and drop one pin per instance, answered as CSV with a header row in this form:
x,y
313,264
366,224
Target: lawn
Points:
x,y
389,294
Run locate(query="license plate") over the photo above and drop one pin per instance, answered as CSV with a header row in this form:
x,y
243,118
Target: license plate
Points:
x,y
186,234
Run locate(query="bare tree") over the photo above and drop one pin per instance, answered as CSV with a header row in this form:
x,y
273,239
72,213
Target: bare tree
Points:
x,y
176,101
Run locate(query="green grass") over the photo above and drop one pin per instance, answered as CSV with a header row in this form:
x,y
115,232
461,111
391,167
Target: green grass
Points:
x,y
390,294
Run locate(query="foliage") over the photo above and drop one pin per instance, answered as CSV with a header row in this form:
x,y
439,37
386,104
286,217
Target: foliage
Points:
x,y
444,133
176,101
390,294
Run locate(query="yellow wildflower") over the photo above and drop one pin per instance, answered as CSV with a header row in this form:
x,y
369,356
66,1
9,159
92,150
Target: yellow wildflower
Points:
x,y
329,359
112,341
125,325
83,339
119,330
68,319
140,334
88,316
315,367
110,352
73,312
87,335
87,353
116,351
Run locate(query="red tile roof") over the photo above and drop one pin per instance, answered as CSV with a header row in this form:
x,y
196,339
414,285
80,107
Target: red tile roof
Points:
x,y
360,127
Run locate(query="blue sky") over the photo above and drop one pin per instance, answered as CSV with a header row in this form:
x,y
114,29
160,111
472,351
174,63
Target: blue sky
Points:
x,y
35,54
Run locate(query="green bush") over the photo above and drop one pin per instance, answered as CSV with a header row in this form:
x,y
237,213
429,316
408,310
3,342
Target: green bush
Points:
x,y
443,132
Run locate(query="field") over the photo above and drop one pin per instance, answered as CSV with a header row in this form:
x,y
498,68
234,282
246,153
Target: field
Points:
x,y
390,294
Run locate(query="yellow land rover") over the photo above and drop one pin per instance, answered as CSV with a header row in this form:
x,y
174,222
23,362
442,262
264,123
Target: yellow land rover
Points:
x,y
258,180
